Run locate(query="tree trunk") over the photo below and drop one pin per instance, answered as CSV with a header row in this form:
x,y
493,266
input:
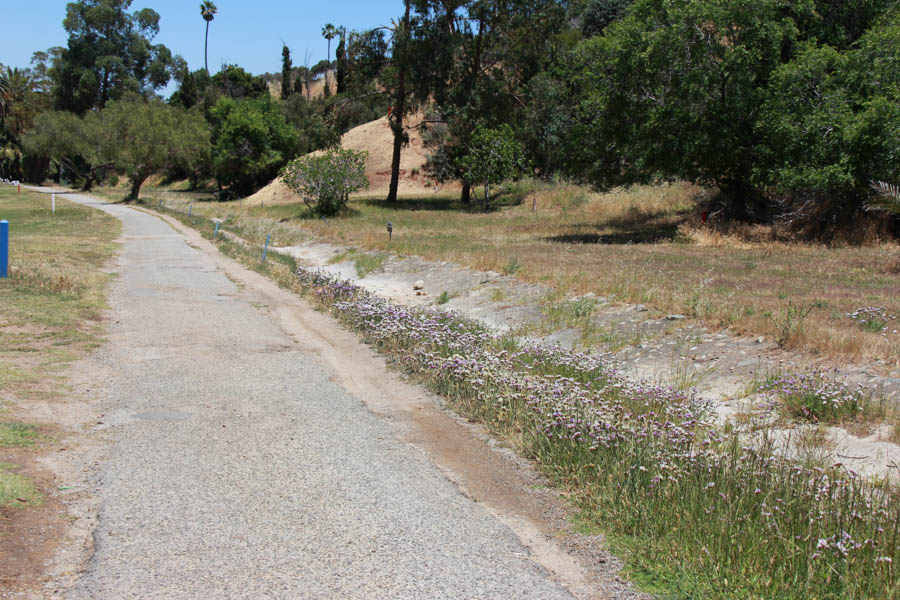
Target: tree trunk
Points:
x,y
136,183
206,48
466,195
398,112
487,195
88,183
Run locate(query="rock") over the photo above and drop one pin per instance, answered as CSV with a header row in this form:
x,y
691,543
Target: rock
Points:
x,y
675,317
640,308
760,340
419,285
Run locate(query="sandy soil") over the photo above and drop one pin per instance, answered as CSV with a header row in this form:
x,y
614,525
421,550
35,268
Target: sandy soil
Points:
x,y
375,138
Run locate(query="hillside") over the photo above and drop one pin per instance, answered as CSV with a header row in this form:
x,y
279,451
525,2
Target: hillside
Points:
x,y
375,138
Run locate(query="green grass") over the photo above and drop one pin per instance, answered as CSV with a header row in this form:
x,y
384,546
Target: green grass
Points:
x,y
368,263
16,490
17,434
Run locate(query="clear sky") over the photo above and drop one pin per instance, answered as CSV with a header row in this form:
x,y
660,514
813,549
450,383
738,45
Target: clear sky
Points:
x,y
247,33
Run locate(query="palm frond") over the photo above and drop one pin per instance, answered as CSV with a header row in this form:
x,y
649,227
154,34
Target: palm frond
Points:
x,y
887,199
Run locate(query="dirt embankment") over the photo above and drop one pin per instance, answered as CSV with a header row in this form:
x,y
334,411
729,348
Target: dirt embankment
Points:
x,y
375,138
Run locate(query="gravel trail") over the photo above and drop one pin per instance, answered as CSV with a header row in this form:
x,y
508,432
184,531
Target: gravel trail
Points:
x,y
238,466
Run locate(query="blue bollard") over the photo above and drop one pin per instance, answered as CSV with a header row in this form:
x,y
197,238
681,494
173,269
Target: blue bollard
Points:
x,y
216,232
4,249
266,249
191,210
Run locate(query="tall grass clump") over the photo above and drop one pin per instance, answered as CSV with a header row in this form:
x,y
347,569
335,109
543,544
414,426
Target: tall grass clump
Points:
x,y
712,512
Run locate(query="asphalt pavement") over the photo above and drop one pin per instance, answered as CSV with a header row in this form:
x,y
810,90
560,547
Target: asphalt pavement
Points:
x,y
237,468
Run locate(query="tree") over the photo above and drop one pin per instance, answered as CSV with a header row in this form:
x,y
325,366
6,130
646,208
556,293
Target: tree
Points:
x,y
673,91
341,60
325,180
309,120
141,138
494,156
285,72
24,94
193,88
486,51
329,32
252,141
830,125
109,54
234,82
208,11
597,14
73,142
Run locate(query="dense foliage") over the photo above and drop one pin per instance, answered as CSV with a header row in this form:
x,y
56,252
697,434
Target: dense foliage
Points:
x,y
326,180
252,142
494,156
789,108
109,53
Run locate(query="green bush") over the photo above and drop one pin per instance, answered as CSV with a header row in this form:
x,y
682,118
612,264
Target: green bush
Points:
x,y
325,181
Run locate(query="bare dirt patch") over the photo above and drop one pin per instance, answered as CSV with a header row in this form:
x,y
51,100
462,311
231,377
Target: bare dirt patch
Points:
x,y
375,138
29,534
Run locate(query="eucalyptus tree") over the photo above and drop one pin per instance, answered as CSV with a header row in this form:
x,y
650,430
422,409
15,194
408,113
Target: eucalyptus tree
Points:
x,y
208,11
109,54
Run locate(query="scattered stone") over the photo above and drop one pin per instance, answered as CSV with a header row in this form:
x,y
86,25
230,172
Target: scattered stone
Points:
x,y
760,340
675,317
640,308
419,285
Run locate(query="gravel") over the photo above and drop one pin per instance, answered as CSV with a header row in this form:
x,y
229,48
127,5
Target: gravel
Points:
x,y
236,468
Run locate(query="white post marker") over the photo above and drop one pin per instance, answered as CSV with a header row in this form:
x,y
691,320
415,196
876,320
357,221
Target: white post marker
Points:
x,y
53,203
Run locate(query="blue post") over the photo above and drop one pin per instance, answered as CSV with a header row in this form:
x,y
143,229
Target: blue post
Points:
x,y
191,210
4,249
216,232
266,249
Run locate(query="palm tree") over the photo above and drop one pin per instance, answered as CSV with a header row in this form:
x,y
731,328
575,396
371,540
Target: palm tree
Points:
x,y
329,32
4,91
208,11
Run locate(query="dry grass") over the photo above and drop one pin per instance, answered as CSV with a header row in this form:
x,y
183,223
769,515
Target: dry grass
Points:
x,y
51,303
642,245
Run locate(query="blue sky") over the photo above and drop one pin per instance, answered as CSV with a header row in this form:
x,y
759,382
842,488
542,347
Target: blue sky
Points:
x,y
247,33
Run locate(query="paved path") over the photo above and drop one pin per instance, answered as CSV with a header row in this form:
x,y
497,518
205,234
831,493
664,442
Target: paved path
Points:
x,y
238,469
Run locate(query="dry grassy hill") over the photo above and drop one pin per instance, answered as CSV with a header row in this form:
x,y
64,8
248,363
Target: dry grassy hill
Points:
x,y
375,138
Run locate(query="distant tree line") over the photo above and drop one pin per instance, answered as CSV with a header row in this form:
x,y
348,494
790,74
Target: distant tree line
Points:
x,y
788,108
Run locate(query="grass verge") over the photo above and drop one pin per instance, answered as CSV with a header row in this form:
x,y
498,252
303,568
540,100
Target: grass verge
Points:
x,y
16,490
50,311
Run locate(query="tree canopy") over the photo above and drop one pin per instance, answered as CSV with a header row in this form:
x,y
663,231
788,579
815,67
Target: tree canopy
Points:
x,y
109,54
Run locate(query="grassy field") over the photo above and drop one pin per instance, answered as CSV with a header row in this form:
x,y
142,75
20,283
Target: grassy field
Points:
x,y
644,245
50,309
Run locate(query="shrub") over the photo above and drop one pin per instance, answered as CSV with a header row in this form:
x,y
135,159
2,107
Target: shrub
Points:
x,y
325,181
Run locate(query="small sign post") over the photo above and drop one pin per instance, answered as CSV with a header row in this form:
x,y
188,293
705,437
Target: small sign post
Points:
x,y
216,232
53,203
4,249
266,249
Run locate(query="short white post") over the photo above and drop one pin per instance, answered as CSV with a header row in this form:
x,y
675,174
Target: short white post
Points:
x,y
53,203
